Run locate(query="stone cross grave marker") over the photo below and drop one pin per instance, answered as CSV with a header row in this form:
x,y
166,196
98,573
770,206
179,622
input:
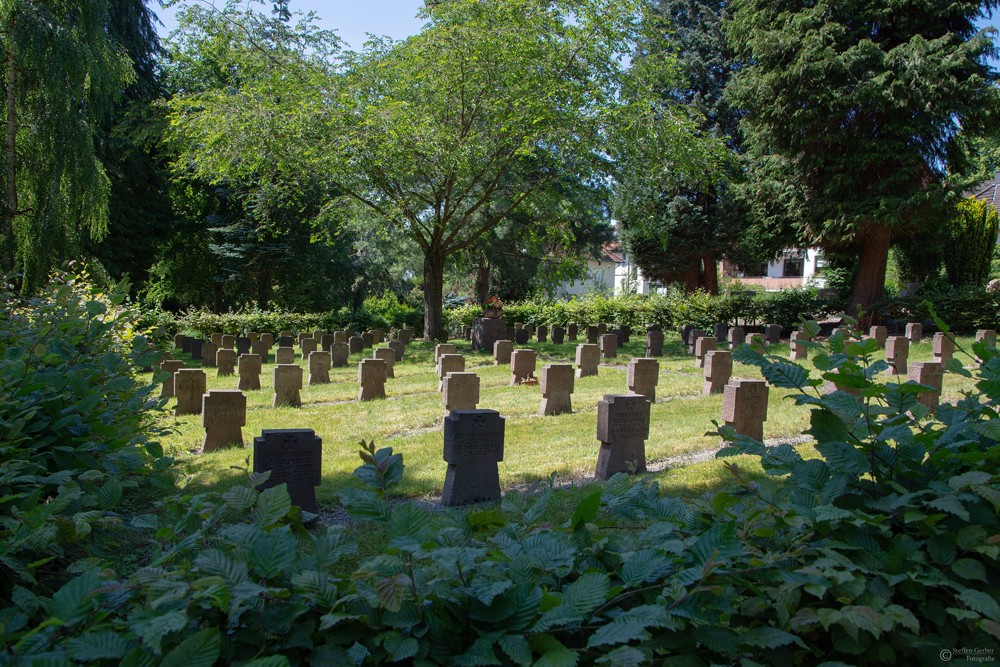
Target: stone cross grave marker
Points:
x,y
225,361
229,342
249,368
368,340
521,334
944,348
718,370
295,458
284,355
928,373
772,333
572,331
356,344
371,379
654,343
737,336
473,446
541,333
609,346
216,339
267,339
461,391
915,332
308,346
196,345
720,331
897,350
339,352
318,333
243,345
701,347
189,386
378,336
398,347
449,363
443,348
756,342
208,352
388,355
319,367
286,341
404,336
169,366
558,334
223,414
502,349
326,342
879,333
339,336
522,366
642,376
593,335
262,350
254,338
692,337
624,334
744,407
588,358
556,383
622,428
287,384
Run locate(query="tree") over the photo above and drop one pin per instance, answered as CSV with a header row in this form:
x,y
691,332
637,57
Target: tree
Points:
x,y
973,239
61,70
852,117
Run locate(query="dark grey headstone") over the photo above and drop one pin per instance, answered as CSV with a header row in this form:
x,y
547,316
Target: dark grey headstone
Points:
x,y
195,350
654,343
486,331
622,428
542,333
473,445
286,341
295,457
624,332
326,342
558,334
243,345
522,336
186,344
720,331
571,331
593,335
356,344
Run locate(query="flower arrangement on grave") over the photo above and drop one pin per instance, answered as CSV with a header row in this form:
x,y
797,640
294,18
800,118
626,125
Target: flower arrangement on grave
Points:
x,y
492,306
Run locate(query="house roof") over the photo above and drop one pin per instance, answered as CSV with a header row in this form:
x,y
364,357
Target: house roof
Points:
x,y
612,252
988,191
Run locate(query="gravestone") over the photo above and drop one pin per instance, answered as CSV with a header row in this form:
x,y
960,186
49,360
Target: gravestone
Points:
x,y
319,367
196,345
243,345
879,333
772,334
225,361
756,342
295,458
684,331
208,351
302,335
443,348
229,342
897,349
914,332
318,334
254,338
558,334
356,344
186,344
502,349
340,337
622,428
737,336
692,336
486,331
286,341
262,350
216,339
326,342
609,346
833,385
556,383
404,336
284,355
701,347
287,383
798,349
339,352
744,407
718,370
461,391
571,332
223,415
654,343
588,358
522,366
378,336
179,341
398,347
388,355
410,334
449,363
189,386
593,336
249,368
308,346
720,331
267,339
988,336
371,379
624,334
944,348
602,328
509,333
473,446
929,373
466,332
368,340
522,335
642,376
169,366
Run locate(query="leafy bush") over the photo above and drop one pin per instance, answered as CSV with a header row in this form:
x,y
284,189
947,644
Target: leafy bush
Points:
x,y
973,238
966,309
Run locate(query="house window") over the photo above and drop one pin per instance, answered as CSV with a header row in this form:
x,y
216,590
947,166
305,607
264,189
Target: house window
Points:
x,y
755,270
793,267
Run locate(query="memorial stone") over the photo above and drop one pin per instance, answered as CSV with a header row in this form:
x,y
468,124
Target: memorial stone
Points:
x,y
287,384
509,332
254,338
602,328
378,336
944,348
571,332
388,355
319,367
466,332
654,343
522,335
692,336
186,344
558,334
624,334
243,345
404,336
223,415
461,391
326,342
593,336
756,342
229,342
772,334
701,347
522,366
285,333
914,332
399,347
588,357
928,373
718,370
189,386
473,446
737,336
609,346
368,340
720,331
684,331
371,379
196,345
339,336
301,336
308,346
556,383
449,363
216,339
318,334
486,331
989,336
502,349
897,349
642,376
798,348
249,368
879,333
284,355
169,366
339,352
208,350
744,407
295,458
267,339
622,428
443,348
179,342
225,361
356,344
286,341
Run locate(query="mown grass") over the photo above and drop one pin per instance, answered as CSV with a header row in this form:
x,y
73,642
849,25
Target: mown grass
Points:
x,y
409,421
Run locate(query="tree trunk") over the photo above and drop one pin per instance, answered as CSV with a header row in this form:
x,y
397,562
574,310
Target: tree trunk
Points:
x,y
10,158
869,282
692,276
433,295
483,280
711,276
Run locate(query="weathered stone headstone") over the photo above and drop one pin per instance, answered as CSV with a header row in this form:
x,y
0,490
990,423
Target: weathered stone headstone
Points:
x,y
243,345
378,336
319,367
654,343
473,446
522,366
262,350
254,338
284,333
449,363
287,384
486,331
772,334
718,370
179,342
339,336
466,332
208,351
737,336
692,336
798,349
410,334
196,345
558,334
216,339
556,383
944,348
988,336
642,376
744,407
368,339
443,348
399,347
593,335
249,368
684,331
223,415
229,342
371,379
701,347
404,336
522,335
295,458
502,349
897,350
186,344
461,391
388,355
318,334
356,344
756,342
929,373
622,428
588,358
286,341
571,332
609,346
225,361
720,331
326,342
189,386
509,333
879,333
602,328
284,355
169,366
339,352
308,346
267,339
915,332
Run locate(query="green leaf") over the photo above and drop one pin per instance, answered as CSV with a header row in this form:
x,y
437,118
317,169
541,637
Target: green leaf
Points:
x,y
554,653
273,505
981,602
92,646
586,510
618,632
786,375
240,497
769,638
215,563
269,661
642,566
970,478
950,504
109,494
76,599
400,647
967,568
273,553
517,649
843,457
391,591
588,592
624,656
362,504
152,630
199,650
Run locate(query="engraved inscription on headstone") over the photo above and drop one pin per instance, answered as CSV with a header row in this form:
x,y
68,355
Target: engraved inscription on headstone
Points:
x,y
295,457
223,414
622,428
473,446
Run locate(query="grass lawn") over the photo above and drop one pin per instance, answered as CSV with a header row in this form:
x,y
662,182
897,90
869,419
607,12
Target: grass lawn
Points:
x,y
409,420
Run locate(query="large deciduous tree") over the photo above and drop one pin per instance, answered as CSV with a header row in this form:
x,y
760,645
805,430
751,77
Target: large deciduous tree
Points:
x,y
852,114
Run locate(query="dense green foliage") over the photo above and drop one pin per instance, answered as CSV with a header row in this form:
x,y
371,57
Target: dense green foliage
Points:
x,y
972,240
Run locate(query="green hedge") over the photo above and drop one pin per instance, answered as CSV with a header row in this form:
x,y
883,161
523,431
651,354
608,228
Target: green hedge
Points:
x,y
965,309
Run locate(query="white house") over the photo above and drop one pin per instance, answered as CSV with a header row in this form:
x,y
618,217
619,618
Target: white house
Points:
x,y
611,272
795,267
